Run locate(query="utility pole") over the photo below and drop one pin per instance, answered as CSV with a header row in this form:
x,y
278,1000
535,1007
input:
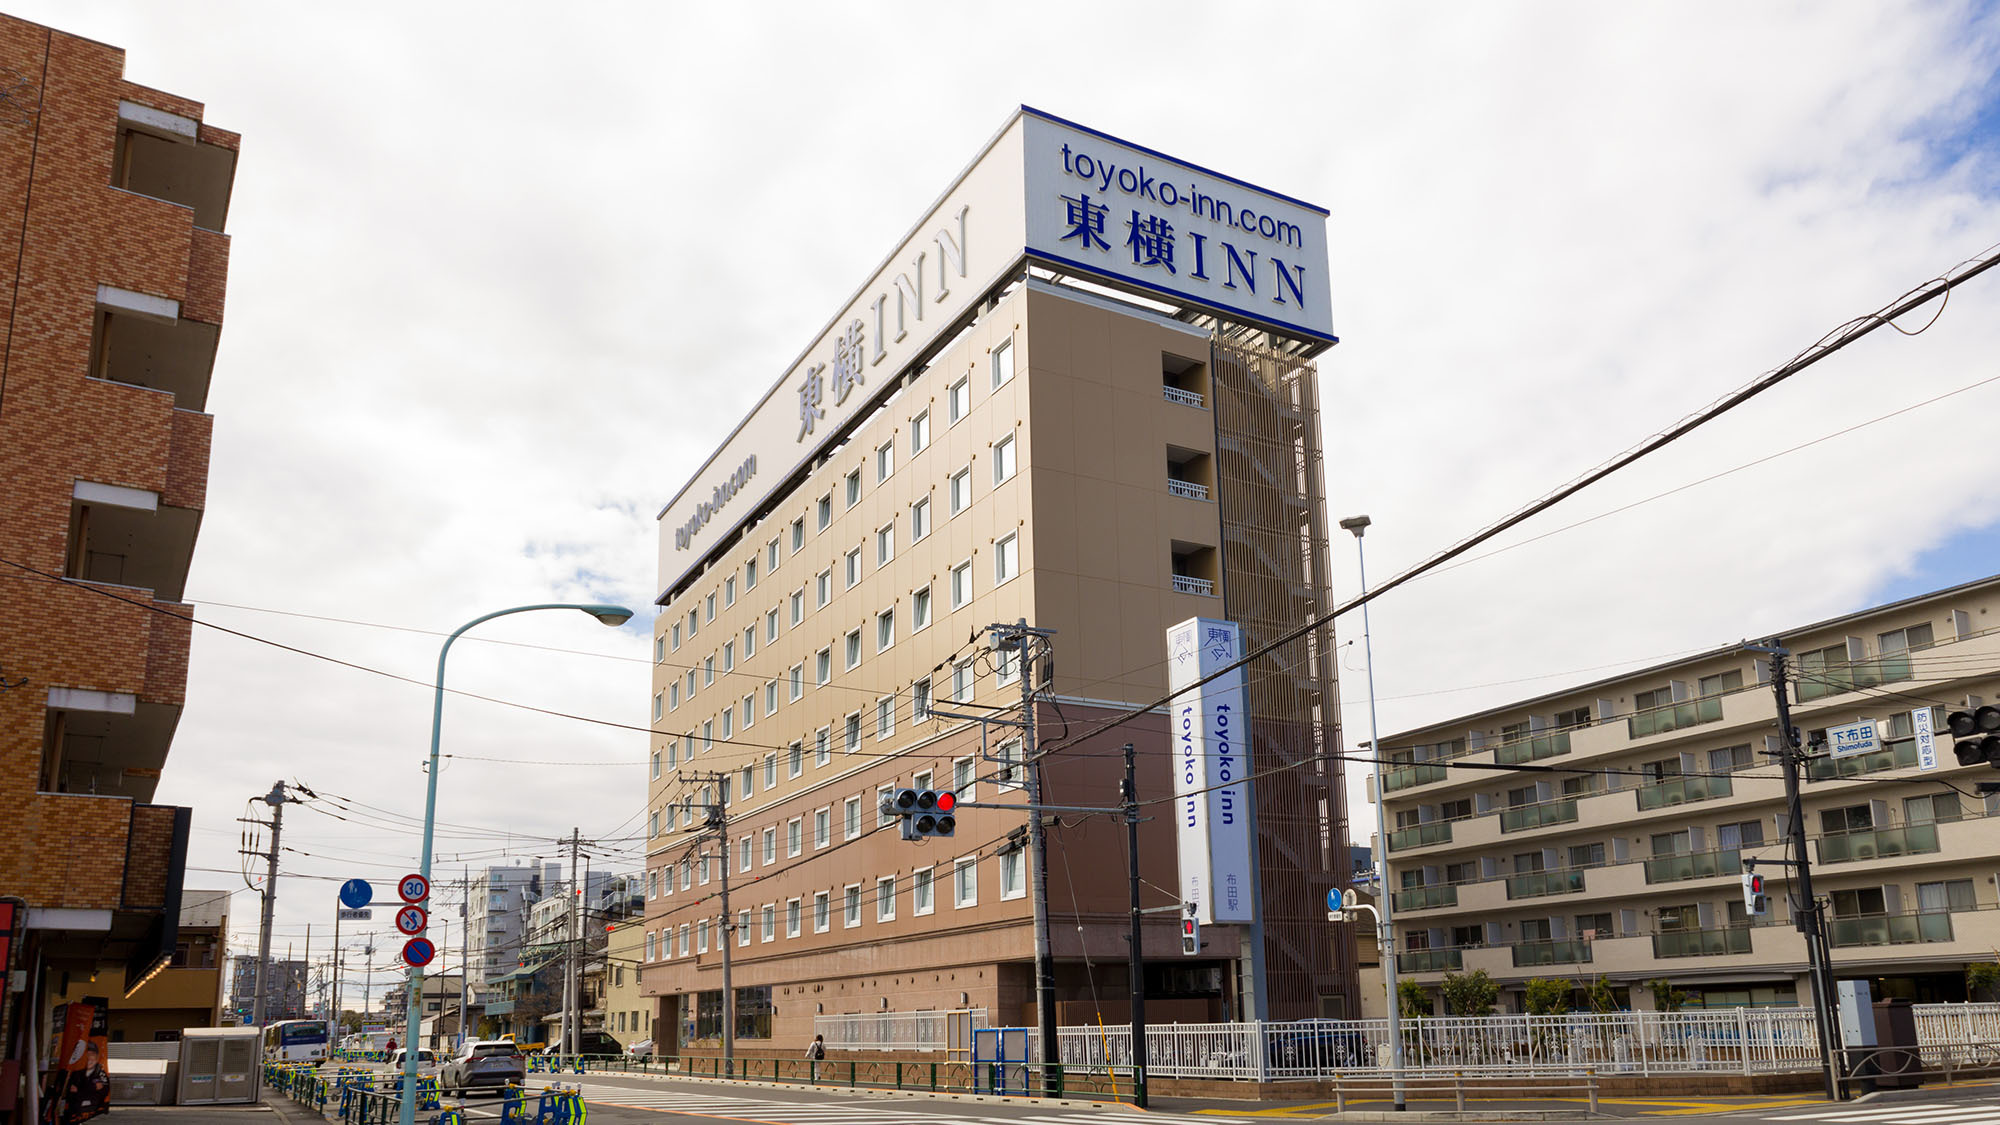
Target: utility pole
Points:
x,y
1020,639
715,822
276,799
569,948
465,943
368,983
1806,916
1136,965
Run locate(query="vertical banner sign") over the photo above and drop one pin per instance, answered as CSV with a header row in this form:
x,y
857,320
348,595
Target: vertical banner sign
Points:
x,y
79,1087
1210,740
1920,722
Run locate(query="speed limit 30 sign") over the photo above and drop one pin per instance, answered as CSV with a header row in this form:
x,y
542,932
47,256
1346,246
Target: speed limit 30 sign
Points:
x,y
414,888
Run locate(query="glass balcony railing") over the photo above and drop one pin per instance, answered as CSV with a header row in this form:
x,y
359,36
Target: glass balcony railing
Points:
x,y
1427,898
1902,756
1895,929
1535,816
1699,865
1430,961
1878,843
1551,953
1818,683
1410,776
1702,943
1535,884
1681,791
1532,749
1678,716
1420,835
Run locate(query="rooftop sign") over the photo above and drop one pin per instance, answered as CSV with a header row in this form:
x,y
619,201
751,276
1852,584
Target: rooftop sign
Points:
x,y
1043,189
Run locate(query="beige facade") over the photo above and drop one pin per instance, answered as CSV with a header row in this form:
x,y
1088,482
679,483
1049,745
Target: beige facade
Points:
x,y
1622,863
1056,462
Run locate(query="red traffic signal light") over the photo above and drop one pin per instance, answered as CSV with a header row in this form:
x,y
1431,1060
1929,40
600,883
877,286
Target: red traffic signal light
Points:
x,y
946,800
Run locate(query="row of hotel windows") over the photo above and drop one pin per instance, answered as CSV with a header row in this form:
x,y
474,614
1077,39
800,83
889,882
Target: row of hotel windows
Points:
x,y
694,937
964,776
1005,462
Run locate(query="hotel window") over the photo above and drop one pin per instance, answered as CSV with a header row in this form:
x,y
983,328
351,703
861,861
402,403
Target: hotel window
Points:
x,y
656,765
677,636
920,700
885,461
1003,361
885,898
961,490
798,605
770,698
749,641
1007,667
851,818
701,936
673,752
885,629
791,918
750,574
850,905
770,771
822,828
708,609
795,835
728,723
674,695
885,544
771,626
825,511
690,685
823,665
1003,459
659,708
853,568
693,628
885,717
798,535
851,732
770,846
1008,775
961,584
853,649
771,557
728,594
653,828
964,774
704,870
687,818
960,398
921,780
659,650
854,488
770,921
965,882
1007,558
1012,884
743,854
798,679
920,609
823,746
708,735
823,587
729,657
742,933
962,681
747,784
920,433
883,817
687,875
798,765
922,900
920,519
707,670
822,911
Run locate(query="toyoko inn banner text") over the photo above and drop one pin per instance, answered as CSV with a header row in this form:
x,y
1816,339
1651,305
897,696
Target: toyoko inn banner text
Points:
x,y
1209,732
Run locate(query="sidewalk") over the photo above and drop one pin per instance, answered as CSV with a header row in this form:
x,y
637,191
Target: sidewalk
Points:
x,y
1432,1108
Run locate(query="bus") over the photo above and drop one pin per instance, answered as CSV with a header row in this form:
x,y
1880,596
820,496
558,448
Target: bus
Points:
x,y
298,1040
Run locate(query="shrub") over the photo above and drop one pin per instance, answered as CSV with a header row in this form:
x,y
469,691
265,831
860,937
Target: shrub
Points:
x,y
1469,994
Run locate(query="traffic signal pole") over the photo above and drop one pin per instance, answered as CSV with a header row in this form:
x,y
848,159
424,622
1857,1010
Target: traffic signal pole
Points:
x,y
1136,966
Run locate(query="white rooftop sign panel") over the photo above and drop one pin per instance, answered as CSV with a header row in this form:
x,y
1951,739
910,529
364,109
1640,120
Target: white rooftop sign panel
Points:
x,y
1043,188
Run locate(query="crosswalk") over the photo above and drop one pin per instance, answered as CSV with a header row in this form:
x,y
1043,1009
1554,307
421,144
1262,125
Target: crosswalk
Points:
x,y
1983,1111
829,1110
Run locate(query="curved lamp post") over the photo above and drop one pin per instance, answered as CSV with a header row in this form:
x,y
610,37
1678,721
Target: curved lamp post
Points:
x,y
612,615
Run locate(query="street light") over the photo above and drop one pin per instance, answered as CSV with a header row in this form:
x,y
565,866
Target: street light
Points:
x,y
1385,934
612,615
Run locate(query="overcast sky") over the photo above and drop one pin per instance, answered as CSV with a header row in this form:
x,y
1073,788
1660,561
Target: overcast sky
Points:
x,y
501,278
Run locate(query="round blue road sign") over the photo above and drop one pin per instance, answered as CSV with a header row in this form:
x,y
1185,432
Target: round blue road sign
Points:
x,y
356,893
417,952
1333,898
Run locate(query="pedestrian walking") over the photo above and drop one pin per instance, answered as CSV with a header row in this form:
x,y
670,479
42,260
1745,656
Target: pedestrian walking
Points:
x,y
815,1053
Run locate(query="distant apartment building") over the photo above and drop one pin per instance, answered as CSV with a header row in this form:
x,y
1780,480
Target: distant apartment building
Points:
x,y
1620,861
499,900
112,205
284,989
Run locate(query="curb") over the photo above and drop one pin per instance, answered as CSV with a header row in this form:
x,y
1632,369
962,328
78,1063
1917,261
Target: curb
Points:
x,y
853,1091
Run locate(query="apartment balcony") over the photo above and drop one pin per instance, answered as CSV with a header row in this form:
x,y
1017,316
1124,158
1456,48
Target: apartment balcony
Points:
x,y
1186,488
1894,929
1532,749
1523,817
1902,756
1420,836
1411,776
1188,584
1181,397
1698,865
1819,683
1540,884
499,1007
1430,961
1426,898
1702,943
1528,953
122,536
1879,843
1675,716
164,156
1682,791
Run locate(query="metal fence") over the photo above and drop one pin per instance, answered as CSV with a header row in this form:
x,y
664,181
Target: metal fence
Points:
x,y
1964,1034
899,1031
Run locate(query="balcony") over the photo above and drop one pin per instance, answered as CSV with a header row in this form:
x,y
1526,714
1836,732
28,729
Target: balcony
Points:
x,y
1532,749
1895,929
1818,683
1678,716
1522,817
1187,488
1188,584
1681,791
1430,961
499,1007
1537,884
1551,953
1180,397
1702,943
1411,776
1420,835
1699,865
1427,898
123,536
1879,843
163,155
1902,756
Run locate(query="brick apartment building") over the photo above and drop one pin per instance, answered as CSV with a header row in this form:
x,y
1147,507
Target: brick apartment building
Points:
x,y
112,264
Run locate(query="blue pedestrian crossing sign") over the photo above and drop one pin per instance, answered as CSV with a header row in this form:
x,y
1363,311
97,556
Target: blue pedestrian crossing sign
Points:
x,y
356,893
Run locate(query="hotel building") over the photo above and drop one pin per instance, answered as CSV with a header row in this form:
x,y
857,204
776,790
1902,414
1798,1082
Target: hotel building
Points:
x,y
1079,394
1624,865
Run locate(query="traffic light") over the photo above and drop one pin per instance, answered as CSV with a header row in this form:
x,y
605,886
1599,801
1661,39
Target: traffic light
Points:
x,y
926,812
1190,937
1978,736
1754,901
